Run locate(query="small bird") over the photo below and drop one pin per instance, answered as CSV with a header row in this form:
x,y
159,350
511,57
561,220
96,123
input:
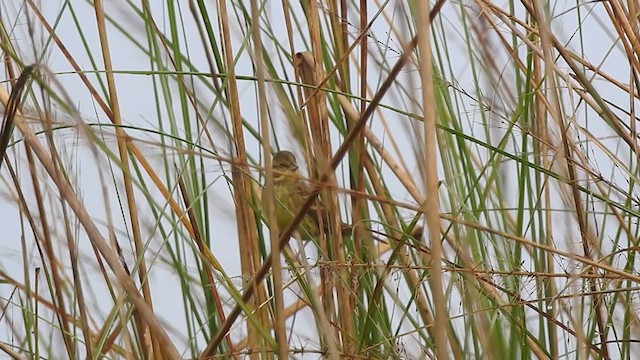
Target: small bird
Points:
x,y
290,192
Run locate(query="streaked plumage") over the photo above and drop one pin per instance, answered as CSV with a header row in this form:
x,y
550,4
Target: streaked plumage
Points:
x,y
291,191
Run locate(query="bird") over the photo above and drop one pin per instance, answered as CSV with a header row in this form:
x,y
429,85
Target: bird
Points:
x,y
291,190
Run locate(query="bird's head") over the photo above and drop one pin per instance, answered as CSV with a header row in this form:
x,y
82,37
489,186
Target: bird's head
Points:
x,y
284,161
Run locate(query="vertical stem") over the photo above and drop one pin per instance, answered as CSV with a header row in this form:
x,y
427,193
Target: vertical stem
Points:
x,y
431,206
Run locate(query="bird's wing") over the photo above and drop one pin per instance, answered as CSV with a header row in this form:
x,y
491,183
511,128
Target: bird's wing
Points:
x,y
318,208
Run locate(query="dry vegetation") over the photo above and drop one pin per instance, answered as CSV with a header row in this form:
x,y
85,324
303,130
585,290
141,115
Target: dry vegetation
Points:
x,y
483,150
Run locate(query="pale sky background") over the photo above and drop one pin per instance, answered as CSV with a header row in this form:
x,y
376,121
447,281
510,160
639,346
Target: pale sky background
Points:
x,y
135,94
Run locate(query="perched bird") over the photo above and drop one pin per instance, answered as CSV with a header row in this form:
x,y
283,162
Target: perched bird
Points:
x,y
290,192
